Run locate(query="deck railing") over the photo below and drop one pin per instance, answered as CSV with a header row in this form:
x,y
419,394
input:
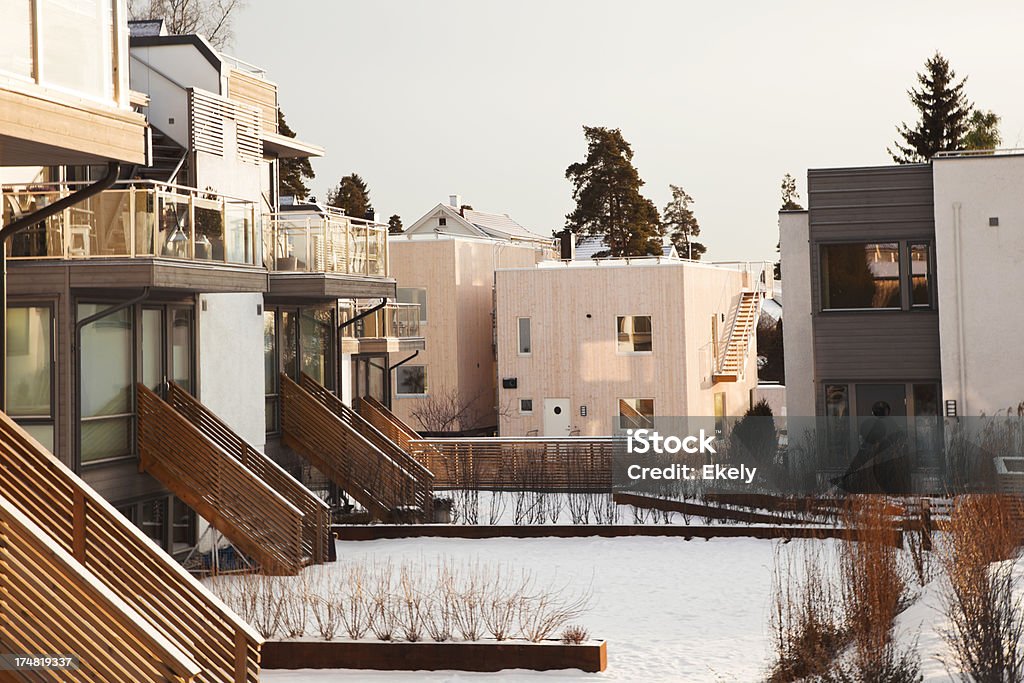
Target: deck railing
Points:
x,y
141,218
316,513
327,242
253,516
83,525
394,320
574,464
377,414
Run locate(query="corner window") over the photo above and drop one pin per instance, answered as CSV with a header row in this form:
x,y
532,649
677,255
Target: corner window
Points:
x,y
860,276
411,380
525,343
633,334
414,295
636,413
526,406
920,276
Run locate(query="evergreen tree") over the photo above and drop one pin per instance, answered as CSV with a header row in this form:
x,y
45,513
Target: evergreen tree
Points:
x,y
944,110
606,188
395,225
352,196
984,131
294,171
681,225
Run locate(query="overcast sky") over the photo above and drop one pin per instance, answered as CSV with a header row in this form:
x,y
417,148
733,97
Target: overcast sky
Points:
x,y
486,98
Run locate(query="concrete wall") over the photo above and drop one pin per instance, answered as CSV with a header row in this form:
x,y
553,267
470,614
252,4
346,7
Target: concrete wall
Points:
x,y
794,249
574,353
978,268
231,362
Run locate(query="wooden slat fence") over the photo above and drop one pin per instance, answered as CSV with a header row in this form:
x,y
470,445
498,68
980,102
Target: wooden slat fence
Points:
x,y
81,523
254,517
316,513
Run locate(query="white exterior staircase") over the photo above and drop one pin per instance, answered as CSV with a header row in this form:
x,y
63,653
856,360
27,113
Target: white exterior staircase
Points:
x,y
732,365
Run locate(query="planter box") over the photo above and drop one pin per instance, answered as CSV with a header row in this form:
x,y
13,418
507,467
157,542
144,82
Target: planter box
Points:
x,y
430,656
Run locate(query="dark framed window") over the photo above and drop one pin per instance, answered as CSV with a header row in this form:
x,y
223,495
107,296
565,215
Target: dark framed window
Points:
x,y
634,334
411,380
525,342
862,275
296,340
920,275
30,370
413,295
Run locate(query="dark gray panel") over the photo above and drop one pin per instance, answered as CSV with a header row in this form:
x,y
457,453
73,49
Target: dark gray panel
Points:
x,y
121,482
877,346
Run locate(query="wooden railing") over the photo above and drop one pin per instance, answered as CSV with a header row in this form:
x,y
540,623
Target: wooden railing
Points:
x,y
82,524
344,455
50,604
529,463
377,414
254,517
316,513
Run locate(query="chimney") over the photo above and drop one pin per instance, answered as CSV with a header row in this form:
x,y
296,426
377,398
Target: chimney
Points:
x,y
567,244
455,200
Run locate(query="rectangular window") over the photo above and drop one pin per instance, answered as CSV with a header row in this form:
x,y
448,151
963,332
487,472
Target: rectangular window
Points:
x,y
442,222
920,276
837,400
636,413
526,406
30,370
414,295
525,343
860,276
106,384
411,380
633,334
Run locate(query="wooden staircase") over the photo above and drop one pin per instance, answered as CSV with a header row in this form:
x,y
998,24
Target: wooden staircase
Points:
x,y
733,364
254,517
76,577
353,454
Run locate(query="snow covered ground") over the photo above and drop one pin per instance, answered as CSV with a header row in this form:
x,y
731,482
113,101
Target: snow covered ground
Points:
x,y
670,609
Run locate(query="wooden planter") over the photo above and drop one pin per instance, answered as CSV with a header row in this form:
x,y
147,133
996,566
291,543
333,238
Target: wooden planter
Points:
x,y
430,656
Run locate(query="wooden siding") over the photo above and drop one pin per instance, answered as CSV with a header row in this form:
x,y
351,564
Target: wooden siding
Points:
x,y
884,204
256,92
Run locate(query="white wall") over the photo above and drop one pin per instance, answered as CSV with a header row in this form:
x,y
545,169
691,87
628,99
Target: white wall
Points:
x,y
231,362
980,320
182,64
795,256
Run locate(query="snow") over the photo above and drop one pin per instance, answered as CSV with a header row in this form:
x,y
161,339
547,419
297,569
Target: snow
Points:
x,y
670,609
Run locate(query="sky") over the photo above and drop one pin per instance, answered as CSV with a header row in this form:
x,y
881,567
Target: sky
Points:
x,y
487,98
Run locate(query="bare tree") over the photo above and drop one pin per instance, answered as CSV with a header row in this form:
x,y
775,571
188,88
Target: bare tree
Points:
x,y
212,19
448,411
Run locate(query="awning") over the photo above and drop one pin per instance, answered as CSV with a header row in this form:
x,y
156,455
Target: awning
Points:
x,y
287,148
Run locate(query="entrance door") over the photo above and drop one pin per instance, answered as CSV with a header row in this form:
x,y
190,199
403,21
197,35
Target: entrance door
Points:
x,y
556,417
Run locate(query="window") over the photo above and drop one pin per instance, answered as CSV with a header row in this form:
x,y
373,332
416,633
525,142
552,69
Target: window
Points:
x,y
636,413
860,276
30,370
526,406
920,276
411,380
837,400
442,222
106,384
524,337
414,295
633,333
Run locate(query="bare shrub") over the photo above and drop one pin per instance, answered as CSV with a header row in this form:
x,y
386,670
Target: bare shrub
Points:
x,y
295,605
410,604
381,605
355,612
496,507
503,594
269,604
470,594
981,597
575,634
440,617
542,614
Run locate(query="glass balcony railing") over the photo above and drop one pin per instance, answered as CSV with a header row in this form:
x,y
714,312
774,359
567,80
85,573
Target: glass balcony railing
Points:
x,y
137,219
395,321
330,242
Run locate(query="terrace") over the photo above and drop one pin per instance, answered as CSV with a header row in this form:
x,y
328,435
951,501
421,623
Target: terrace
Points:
x,y
393,327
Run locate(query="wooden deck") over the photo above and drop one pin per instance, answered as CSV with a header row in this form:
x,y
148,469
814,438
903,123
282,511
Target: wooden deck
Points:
x,y
64,530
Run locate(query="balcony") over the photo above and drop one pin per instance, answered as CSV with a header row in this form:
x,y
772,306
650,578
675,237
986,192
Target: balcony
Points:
x,y
395,327
142,233
320,253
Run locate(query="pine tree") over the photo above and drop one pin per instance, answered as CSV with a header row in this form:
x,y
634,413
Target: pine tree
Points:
x,y
678,221
395,225
606,188
293,172
352,196
944,114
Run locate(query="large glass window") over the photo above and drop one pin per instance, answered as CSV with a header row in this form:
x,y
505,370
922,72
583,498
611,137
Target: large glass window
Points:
x,y
862,275
315,327
77,50
920,276
525,343
106,382
30,370
414,295
270,368
181,347
636,413
152,347
633,334
16,38
411,380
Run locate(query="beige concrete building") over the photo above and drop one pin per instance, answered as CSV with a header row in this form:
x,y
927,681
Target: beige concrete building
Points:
x,y
445,262
581,343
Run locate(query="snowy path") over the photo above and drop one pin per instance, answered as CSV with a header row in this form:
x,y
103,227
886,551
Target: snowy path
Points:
x,y
671,610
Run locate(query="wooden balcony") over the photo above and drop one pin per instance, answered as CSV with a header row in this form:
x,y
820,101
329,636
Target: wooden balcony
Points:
x,y
64,529
258,520
354,455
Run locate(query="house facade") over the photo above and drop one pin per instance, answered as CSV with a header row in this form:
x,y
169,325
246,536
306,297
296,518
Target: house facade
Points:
x,y
584,345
